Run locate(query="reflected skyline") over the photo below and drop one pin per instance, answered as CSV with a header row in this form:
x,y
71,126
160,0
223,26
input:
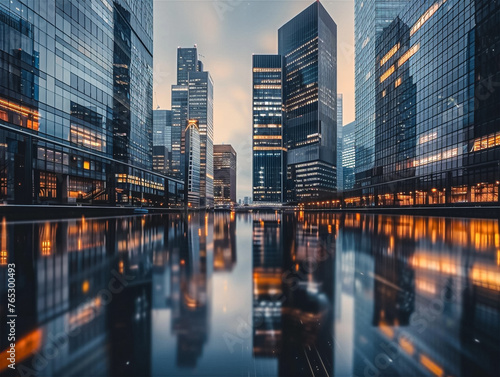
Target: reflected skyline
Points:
x,y
292,294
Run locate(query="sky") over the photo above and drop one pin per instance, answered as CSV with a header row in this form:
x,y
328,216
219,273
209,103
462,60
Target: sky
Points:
x,y
227,33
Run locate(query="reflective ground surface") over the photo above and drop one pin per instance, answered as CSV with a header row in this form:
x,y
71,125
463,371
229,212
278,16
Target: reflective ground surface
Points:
x,y
254,295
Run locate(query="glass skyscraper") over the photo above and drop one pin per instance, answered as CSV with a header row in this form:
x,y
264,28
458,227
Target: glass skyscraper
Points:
x,y
201,108
191,153
308,44
225,174
437,139
162,128
348,155
76,104
162,141
192,98
268,152
179,122
340,126
370,18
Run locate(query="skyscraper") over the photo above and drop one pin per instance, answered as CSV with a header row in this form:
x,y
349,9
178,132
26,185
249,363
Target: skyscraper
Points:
x,y
308,44
192,98
224,174
191,145
201,108
76,104
162,128
179,122
133,83
348,155
370,18
187,61
340,126
436,132
268,151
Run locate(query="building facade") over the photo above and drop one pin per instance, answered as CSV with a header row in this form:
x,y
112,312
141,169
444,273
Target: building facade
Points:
x,y
437,134
308,44
224,174
370,18
340,126
267,139
76,105
162,141
191,162
348,155
201,108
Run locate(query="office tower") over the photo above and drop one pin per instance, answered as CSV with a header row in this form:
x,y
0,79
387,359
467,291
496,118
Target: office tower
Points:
x,y
76,105
436,132
162,128
309,45
370,18
187,61
179,122
192,98
201,108
348,155
162,141
340,126
133,84
162,158
191,145
268,151
224,174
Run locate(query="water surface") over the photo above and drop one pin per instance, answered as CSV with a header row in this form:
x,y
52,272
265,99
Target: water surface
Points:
x,y
271,294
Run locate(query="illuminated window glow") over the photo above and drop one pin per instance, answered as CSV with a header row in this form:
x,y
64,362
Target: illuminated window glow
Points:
x,y
390,54
387,74
408,54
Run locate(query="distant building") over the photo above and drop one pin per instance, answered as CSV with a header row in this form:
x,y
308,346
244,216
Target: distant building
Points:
x,y
201,108
308,44
224,174
191,158
192,98
348,155
161,159
162,141
268,151
340,124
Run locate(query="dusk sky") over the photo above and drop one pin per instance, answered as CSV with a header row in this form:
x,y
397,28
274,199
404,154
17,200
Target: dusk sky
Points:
x,y
227,33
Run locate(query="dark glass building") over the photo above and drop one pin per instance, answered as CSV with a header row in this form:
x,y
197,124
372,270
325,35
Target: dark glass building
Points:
x,y
192,98
268,149
179,121
370,18
76,104
308,44
436,131
162,141
225,174
348,154
201,108
191,162
340,129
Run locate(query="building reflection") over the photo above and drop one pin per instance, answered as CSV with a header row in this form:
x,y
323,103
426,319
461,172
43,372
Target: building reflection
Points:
x,y
426,295
224,242
293,260
86,292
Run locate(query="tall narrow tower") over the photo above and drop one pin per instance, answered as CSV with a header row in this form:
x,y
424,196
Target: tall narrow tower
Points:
x,y
308,44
